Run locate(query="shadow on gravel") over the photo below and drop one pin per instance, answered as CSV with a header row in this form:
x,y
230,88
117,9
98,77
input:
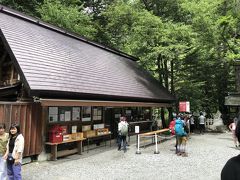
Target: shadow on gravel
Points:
x,y
233,147
230,139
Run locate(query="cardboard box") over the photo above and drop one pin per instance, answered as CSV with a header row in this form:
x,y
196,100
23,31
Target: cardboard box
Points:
x,y
79,135
90,133
76,136
102,131
66,137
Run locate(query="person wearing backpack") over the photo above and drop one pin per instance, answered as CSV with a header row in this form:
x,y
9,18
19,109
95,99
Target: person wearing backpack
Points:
x,y
122,131
181,136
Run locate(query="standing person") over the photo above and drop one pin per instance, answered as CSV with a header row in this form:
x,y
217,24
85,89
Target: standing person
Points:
x,y
172,126
192,124
186,123
231,170
3,145
232,127
122,131
14,153
181,137
172,130
202,120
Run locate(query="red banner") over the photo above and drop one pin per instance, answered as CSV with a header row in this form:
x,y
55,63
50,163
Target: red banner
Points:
x,y
184,106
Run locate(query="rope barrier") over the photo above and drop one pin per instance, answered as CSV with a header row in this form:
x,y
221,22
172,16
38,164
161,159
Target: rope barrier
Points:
x,y
148,135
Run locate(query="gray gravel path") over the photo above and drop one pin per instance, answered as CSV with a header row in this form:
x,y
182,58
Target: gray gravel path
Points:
x,y
207,155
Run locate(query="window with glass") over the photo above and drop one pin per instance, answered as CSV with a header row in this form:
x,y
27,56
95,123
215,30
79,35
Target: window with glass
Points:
x,y
97,113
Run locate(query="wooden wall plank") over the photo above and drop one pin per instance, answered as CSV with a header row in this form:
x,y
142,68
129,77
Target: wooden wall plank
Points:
x,y
33,126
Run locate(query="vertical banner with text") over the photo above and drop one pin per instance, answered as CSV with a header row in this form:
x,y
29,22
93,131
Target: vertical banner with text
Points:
x,y
184,106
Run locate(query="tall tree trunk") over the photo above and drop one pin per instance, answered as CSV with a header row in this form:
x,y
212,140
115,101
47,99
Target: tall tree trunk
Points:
x,y
163,118
146,4
159,69
166,74
170,113
172,81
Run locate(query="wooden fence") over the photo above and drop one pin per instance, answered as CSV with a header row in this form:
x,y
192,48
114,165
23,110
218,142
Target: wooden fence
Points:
x,y
28,115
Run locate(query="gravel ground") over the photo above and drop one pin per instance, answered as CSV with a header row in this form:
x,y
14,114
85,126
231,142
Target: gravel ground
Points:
x,y
207,155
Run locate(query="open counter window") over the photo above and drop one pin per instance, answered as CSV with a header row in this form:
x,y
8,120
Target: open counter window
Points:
x,y
147,113
86,110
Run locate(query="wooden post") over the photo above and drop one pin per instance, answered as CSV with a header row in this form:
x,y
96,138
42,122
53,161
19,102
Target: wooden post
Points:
x,y
12,74
79,146
54,152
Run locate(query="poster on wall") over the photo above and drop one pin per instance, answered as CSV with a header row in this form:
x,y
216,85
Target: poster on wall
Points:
x,y
86,113
67,115
62,117
53,114
76,113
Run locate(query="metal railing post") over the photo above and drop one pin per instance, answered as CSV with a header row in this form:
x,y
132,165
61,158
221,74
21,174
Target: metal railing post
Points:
x,y
138,145
156,142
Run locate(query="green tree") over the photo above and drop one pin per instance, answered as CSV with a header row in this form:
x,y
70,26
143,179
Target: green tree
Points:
x,y
26,6
69,16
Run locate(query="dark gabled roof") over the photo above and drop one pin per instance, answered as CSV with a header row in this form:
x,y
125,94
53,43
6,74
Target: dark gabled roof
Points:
x,y
51,61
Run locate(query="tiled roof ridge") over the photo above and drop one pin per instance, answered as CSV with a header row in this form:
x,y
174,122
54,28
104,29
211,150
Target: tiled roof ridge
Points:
x,y
49,26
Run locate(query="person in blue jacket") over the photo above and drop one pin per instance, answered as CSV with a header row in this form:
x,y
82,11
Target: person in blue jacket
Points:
x,y
181,136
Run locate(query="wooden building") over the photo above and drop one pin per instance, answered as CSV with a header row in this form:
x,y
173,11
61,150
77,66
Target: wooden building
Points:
x,y
50,76
232,101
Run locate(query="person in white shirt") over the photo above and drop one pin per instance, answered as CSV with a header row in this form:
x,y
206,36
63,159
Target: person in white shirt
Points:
x,y
14,153
122,131
202,120
192,124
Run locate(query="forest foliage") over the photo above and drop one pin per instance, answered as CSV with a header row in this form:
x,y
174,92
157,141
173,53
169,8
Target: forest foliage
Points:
x,y
189,46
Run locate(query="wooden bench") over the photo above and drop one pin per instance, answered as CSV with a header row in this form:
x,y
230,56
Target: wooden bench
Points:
x,y
55,153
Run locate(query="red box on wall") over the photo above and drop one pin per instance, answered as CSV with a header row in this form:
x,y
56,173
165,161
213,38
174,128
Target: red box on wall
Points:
x,y
55,134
